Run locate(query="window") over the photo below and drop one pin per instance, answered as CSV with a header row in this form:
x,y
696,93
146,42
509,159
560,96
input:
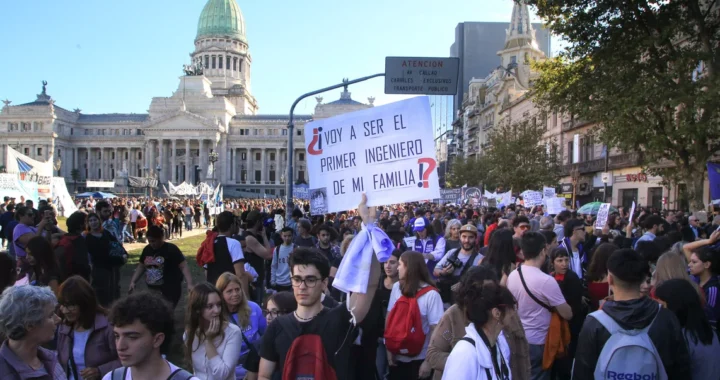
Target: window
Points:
x,y
27,151
257,175
207,62
242,132
301,156
627,197
301,175
257,156
255,132
235,64
72,130
220,62
570,151
87,155
243,175
299,132
99,173
243,156
213,62
655,195
112,155
272,175
513,59
139,155
39,151
272,156
239,65
227,63
587,149
127,155
284,132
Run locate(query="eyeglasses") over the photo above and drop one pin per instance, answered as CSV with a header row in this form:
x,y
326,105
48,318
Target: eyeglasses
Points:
x,y
310,282
272,313
524,227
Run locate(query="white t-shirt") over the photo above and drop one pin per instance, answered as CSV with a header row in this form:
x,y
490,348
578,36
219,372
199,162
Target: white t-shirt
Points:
x,y
80,339
128,373
234,248
135,214
431,310
535,318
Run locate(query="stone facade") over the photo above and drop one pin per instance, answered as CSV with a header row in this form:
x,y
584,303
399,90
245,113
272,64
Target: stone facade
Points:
x,y
213,112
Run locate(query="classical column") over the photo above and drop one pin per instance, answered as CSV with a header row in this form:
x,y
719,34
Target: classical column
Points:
x,y
278,169
161,161
234,172
217,177
250,166
188,161
173,162
226,159
202,160
263,159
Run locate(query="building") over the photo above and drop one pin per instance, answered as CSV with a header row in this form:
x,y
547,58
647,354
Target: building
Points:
x,y
212,112
441,110
476,44
486,97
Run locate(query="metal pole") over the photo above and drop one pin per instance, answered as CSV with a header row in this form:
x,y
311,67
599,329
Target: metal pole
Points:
x,y
291,130
607,164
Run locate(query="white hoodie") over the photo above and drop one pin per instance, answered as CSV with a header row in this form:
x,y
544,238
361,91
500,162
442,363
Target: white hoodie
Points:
x,y
468,362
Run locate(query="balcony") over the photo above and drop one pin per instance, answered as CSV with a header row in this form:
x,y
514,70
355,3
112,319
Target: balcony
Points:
x,y
573,124
488,126
473,113
457,122
473,126
614,162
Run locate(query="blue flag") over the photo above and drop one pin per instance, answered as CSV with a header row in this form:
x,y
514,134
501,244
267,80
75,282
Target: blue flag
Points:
x,y
714,178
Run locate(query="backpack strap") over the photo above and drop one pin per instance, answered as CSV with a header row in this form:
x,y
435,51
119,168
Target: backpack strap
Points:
x,y
119,373
180,374
469,263
424,290
527,290
612,326
488,375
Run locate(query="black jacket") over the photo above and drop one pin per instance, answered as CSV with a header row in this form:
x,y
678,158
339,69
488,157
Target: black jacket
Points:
x,y
665,333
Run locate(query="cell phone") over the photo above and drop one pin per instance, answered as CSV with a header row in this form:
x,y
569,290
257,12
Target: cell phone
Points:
x,y
717,229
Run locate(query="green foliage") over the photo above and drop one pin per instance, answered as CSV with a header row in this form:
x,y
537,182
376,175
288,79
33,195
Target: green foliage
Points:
x,y
516,159
633,68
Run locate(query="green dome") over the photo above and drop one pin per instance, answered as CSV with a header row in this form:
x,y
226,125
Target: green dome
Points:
x,y
221,18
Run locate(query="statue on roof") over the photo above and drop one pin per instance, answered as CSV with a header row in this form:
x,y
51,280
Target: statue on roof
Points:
x,y
7,102
195,69
44,91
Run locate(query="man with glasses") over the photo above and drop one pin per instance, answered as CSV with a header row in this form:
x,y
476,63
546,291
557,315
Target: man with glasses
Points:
x,y
520,224
335,327
577,246
695,226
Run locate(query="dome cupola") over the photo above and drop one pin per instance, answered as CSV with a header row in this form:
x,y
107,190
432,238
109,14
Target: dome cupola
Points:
x,y
221,18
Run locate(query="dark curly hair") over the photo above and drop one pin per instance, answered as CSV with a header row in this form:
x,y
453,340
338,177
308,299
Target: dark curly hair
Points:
x,y
481,298
151,309
475,275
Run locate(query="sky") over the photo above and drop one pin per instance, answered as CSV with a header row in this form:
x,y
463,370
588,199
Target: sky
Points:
x,y
114,56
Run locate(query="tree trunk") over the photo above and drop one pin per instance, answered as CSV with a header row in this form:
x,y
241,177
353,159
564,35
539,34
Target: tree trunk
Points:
x,y
694,177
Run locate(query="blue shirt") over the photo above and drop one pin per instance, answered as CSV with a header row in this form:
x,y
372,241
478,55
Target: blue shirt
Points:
x,y
253,332
649,236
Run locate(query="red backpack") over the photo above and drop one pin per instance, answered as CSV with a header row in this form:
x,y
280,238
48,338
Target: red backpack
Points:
x,y
306,359
404,333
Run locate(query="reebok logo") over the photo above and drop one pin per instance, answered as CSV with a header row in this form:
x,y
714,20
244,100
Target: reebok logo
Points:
x,y
612,375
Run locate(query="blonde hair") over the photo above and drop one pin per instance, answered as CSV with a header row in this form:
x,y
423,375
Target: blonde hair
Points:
x,y
243,311
671,266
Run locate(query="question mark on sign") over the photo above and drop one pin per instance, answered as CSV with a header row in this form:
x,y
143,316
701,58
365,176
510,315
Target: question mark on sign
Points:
x,y
425,174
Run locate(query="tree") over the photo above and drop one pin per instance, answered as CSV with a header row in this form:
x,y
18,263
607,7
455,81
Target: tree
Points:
x,y
647,72
515,160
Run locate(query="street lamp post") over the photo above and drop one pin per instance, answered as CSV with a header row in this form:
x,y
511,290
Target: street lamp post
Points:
x,y
575,176
213,156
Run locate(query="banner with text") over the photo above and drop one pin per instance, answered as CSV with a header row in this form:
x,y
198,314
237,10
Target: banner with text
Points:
x,y
28,169
451,195
12,186
300,192
61,198
387,152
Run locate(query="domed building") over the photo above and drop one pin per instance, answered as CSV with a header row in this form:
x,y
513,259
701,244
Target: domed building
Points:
x,y
212,110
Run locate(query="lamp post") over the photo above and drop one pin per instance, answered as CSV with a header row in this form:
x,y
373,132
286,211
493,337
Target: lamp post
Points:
x,y
575,176
213,157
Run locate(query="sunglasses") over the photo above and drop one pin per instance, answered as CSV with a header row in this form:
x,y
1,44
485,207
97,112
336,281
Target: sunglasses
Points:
x,y
524,227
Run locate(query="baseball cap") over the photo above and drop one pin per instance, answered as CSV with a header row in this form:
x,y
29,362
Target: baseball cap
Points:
x,y
469,228
420,224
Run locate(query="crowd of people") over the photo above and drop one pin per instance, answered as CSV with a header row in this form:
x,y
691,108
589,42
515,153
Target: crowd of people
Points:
x,y
448,292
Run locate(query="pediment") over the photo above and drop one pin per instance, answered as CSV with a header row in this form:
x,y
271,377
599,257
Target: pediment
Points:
x,y
183,121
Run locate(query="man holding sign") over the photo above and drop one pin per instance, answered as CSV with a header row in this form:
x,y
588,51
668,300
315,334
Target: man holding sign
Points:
x,y
386,152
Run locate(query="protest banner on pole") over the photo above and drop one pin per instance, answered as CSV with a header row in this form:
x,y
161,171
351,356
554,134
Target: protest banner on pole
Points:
x,y
602,216
387,152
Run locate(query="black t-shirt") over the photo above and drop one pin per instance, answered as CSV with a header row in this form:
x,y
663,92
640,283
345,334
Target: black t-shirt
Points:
x,y
336,332
162,269
255,261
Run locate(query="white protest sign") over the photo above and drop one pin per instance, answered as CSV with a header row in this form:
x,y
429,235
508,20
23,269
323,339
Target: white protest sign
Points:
x,y
533,198
632,212
410,241
602,216
555,205
548,192
387,152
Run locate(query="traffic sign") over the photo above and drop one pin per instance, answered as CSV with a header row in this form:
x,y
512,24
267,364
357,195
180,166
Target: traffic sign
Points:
x,y
421,75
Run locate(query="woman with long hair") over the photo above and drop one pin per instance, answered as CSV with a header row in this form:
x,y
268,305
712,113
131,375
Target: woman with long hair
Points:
x,y
98,245
678,296
390,276
452,235
212,344
45,270
671,266
704,265
596,276
413,277
86,341
500,255
278,304
243,313
489,307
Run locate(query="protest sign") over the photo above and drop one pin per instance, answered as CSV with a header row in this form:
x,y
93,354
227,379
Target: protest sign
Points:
x,y
387,152
300,192
410,241
532,198
504,199
632,212
61,198
12,186
451,195
555,205
548,192
602,216
30,170
472,195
